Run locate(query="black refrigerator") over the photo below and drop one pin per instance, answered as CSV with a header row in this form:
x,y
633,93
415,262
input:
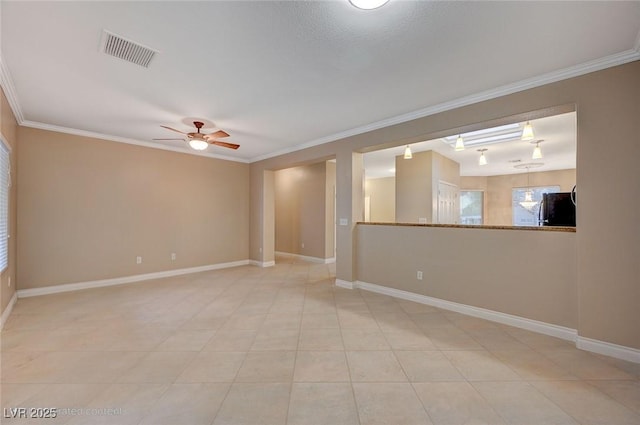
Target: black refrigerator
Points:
x,y
557,209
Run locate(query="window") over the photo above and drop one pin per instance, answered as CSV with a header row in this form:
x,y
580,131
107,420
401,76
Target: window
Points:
x,y
471,206
523,216
5,181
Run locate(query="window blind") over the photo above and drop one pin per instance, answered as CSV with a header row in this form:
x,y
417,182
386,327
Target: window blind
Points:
x,y
5,168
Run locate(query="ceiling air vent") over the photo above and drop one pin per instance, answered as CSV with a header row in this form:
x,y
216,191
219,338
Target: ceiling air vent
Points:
x,y
128,50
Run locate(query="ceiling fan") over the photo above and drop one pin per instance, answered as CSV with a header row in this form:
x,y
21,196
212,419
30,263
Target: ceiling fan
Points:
x,y
200,141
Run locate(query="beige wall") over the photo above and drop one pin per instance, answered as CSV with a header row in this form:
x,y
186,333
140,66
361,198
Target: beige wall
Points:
x,y
382,198
446,170
301,210
88,207
473,183
607,104
414,188
9,129
498,206
497,192
530,274
330,211
417,181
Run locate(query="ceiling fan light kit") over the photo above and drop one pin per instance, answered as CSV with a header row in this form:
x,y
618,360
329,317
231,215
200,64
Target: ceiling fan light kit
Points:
x,y
200,141
198,145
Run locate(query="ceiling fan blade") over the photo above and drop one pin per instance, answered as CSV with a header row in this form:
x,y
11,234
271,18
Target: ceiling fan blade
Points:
x,y
173,129
225,144
217,135
182,140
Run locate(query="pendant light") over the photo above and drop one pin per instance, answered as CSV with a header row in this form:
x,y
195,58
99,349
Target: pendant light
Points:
x,y
459,144
527,132
537,152
528,201
483,159
407,153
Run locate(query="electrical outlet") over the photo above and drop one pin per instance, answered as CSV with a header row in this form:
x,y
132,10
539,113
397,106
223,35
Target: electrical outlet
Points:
x,y
344,222
138,260
422,220
303,244
173,256
419,275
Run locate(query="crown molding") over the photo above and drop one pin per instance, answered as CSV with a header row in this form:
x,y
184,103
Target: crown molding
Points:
x,y
84,133
6,82
9,90
550,77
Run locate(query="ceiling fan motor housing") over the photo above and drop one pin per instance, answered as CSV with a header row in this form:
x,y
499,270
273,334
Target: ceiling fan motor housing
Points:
x,y
198,135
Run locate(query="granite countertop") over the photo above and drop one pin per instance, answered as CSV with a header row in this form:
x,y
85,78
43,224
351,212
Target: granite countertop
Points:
x,y
477,226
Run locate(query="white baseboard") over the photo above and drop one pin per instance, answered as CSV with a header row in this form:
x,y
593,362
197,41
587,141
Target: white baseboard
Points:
x,y
608,349
587,344
7,311
307,258
482,313
262,263
345,284
22,293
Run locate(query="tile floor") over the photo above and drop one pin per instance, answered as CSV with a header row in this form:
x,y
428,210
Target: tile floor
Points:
x,y
283,345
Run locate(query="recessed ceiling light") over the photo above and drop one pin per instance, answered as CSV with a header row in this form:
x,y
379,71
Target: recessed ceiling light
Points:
x,y
368,4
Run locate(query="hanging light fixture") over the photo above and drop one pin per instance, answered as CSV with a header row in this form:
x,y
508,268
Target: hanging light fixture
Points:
x,y
527,132
537,152
483,159
528,201
459,144
407,153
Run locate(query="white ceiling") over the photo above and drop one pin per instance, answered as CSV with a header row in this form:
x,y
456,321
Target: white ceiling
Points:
x,y
558,135
278,76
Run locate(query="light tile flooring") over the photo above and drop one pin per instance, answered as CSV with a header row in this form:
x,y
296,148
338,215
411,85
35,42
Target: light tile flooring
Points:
x,y
285,346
